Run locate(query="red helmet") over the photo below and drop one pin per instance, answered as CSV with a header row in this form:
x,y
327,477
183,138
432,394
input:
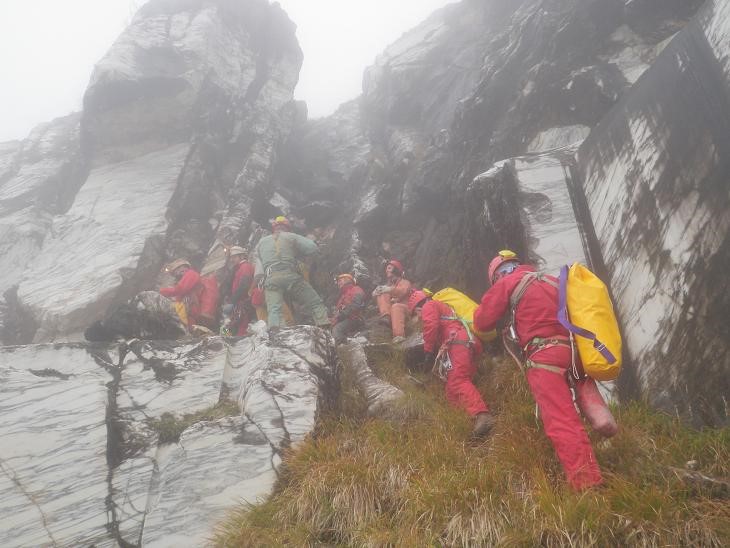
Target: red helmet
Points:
x,y
504,257
396,265
416,299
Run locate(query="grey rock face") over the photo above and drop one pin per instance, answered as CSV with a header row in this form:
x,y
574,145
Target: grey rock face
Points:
x,y
527,201
116,215
89,458
655,178
38,179
474,84
181,124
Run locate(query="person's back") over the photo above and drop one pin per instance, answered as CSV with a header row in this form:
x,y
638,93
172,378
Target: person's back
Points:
x,y
536,314
548,356
281,251
277,265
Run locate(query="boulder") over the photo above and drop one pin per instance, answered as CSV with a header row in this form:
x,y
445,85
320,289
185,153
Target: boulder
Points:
x,y
655,178
120,444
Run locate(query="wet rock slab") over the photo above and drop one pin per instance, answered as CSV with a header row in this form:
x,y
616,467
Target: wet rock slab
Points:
x,y
83,460
53,455
215,466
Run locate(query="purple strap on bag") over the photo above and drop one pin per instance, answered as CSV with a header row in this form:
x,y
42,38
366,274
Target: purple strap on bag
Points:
x,y
565,322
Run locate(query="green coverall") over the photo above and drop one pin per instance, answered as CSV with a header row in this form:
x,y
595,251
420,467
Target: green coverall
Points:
x,y
277,259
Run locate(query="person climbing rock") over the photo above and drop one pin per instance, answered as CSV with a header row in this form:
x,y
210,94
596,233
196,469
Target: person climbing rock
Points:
x,y
239,309
392,300
452,348
349,309
548,355
276,259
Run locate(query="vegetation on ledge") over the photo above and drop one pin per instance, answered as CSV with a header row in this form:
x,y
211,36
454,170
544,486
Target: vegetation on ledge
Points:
x,y
170,427
421,482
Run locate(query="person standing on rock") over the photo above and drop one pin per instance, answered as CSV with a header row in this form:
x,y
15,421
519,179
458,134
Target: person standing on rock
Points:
x,y
276,259
548,356
349,309
452,348
236,321
392,299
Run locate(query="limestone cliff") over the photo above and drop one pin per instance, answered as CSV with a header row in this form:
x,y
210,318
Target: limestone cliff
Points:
x,y
591,130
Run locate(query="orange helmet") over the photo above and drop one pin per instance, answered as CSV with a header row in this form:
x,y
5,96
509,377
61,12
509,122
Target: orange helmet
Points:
x,y
504,263
416,299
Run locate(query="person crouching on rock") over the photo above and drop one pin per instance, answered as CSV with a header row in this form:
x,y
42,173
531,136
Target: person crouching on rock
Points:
x,y
451,348
534,307
186,290
348,311
392,299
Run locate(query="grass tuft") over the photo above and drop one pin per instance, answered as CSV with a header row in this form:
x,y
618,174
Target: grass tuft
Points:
x,y
171,427
419,481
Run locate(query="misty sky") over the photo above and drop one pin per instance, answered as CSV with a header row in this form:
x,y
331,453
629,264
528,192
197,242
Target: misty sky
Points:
x,y
48,49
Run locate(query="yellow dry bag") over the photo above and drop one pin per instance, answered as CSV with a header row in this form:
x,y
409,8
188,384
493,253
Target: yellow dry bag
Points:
x,y
181,311
464,308
585,309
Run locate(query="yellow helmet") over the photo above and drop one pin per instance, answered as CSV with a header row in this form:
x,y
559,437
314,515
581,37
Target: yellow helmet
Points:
x,y
237,250
280,220
345,275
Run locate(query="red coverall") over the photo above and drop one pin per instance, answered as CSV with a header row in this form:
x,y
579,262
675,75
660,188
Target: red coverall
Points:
x,y
187,290
460,390
239,294
348,311
536,316
394,304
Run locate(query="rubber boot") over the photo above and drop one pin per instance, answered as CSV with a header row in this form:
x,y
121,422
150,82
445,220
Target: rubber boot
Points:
x,y
398,315
594,408
483,425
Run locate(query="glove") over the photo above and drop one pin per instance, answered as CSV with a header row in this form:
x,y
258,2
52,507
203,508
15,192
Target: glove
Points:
x,y
225,330
429,359
380,290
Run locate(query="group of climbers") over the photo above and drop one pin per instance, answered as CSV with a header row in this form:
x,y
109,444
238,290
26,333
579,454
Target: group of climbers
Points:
x,y
530,300
273,277
263,286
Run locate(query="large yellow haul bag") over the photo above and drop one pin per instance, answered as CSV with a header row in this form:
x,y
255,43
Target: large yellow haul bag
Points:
x,y
585,309
464,308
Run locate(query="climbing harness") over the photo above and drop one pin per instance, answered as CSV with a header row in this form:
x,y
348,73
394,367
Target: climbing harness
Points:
x,y
442,364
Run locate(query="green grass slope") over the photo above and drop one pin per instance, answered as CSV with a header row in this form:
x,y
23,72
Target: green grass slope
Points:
x,y
419,481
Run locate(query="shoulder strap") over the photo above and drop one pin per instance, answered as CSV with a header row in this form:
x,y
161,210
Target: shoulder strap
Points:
x,y
522,286
463,322
520,289
565,321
